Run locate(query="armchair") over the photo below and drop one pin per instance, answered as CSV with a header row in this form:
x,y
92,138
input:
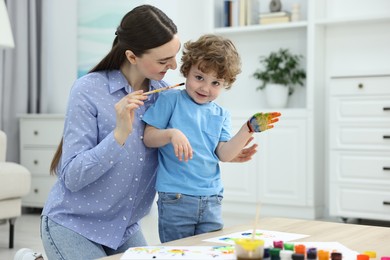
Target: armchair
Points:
x,y
15,182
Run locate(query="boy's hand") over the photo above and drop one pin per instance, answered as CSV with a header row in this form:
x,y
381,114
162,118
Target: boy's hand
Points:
x,y
260,122
181,145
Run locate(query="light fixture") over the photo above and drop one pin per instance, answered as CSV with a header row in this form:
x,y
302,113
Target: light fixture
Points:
x,y
6,39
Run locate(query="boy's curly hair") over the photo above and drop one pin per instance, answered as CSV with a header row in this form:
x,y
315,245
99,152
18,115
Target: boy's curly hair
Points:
x,y
212,53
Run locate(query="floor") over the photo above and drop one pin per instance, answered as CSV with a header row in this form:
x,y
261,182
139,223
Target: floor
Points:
x,y
26,235
27,231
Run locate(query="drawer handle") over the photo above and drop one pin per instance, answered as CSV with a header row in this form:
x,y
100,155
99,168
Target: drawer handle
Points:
x,y
360,85
36,132
36,191
386,109
386,137
386,203
386,168
35,162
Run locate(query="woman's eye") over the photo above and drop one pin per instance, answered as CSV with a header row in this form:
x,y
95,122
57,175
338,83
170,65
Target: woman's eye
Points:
x,y
162,62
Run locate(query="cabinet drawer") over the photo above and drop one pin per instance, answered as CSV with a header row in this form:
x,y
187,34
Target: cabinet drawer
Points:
x,y
41,132
360,202
360,167
37,160
360,86
367,109
359,136
40,188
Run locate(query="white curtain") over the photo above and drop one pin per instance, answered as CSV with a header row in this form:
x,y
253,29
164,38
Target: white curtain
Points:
x,y
20,71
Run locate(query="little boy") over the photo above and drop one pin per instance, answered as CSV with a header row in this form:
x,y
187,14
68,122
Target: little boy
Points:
x,y
193,134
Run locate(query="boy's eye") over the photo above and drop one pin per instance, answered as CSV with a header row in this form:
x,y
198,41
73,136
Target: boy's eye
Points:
x,y
216,83
199,77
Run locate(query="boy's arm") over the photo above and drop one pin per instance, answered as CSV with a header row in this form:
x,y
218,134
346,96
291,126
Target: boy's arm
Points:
x,y
259,122
227,151
154,137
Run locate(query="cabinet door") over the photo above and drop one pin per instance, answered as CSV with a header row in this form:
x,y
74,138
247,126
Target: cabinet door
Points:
x,y
282,174
277,173
239,179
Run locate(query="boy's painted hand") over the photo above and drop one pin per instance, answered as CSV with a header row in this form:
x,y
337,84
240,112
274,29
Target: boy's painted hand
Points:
x,y
260,122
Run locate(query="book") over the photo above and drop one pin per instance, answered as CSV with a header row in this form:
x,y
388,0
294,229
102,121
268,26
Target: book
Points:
x,y
231,13
271,20
226,13
252,7
274,14
242,12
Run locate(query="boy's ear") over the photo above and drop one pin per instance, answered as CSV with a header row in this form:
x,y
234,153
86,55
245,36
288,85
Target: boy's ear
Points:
x,y
130,56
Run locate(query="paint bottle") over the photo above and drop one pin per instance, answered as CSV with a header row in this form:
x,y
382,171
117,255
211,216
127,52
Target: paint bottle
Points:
x,y
323,255
266,255
311,253
285,254
296,256
371,254
288,246
278,244
274,253
362,257
336,256
385,258
300,249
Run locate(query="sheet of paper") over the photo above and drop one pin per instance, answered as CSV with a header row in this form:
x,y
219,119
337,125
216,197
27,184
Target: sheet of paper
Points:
x,y
218,252
267,235
180,252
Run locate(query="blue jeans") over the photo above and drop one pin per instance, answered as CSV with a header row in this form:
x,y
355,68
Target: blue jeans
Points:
x,y
64,244
181,215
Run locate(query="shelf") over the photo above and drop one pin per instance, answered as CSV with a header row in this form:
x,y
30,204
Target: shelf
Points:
x,y
353,20
259,27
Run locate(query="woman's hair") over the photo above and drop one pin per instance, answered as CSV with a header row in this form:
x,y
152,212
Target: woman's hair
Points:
x,y
212,53
143,28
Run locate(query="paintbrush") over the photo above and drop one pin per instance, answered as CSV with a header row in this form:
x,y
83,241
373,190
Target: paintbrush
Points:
x,y
163,89
256,220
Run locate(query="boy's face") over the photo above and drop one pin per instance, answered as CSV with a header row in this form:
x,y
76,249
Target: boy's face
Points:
x,y
203,87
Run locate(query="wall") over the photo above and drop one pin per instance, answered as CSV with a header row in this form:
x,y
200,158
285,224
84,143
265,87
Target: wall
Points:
x,y
59,59
60,39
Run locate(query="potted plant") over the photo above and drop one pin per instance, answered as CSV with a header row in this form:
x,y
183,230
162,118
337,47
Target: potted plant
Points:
x,y
281,72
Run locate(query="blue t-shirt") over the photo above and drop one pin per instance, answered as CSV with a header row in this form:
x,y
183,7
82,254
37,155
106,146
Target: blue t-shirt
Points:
x,y
205,125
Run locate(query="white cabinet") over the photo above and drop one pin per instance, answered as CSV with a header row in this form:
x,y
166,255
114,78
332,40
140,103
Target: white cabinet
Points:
x,y
40,135
358,98
359,140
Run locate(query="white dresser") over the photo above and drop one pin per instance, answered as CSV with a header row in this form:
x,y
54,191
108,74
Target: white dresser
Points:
x,y
359,142
40,135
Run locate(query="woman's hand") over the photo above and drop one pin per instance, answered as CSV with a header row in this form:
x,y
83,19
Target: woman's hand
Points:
x,y
125,114
246,153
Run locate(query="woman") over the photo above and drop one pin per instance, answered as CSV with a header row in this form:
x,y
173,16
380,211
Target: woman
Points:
x,y
106,175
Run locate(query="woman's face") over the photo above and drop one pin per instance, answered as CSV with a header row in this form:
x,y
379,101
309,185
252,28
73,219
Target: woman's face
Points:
x,y
157,61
